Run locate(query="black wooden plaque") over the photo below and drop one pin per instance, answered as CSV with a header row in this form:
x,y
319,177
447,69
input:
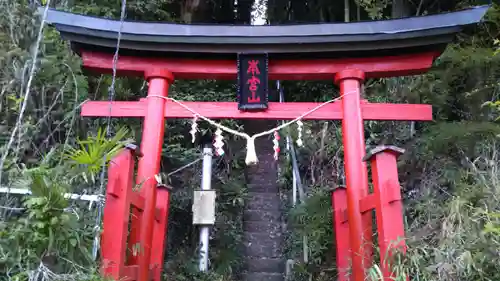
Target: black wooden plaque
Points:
x,y
253,92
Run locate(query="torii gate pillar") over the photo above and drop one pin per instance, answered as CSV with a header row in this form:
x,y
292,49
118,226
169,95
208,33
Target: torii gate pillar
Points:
x,y
356,174
149,165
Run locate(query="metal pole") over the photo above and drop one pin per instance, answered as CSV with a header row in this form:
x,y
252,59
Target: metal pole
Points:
x,y
288,144
297,182
206,182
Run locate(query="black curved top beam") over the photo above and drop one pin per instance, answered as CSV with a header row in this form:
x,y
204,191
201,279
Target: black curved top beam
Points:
x,y
356,39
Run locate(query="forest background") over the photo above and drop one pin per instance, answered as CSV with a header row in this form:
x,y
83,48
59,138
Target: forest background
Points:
x,y
450,173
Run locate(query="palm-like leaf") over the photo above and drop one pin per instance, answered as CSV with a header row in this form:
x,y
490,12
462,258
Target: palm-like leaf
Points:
x,y
94,150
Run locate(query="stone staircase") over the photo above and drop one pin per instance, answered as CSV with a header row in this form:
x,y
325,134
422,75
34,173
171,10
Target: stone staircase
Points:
x,y
263,231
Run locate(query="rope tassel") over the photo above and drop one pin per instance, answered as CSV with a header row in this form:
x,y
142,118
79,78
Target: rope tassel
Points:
x,y
276,145
251,157
218,142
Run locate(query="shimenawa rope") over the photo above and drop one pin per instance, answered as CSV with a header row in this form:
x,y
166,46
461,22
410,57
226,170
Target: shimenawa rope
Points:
x,y
251,156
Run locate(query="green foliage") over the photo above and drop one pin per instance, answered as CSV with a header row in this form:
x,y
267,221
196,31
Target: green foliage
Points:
x,y
374,8
47,234
50,237
454,241
313,220
448,139
93,151
227,234
186,269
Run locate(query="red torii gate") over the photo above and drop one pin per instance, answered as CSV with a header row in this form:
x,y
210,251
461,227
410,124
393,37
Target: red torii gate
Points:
x,y
414,43
352,110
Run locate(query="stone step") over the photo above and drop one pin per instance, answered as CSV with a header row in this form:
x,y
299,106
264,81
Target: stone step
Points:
x,y
261,175
268,265
263,276
263,201
261,215
254,173
263,187
266,227
263,245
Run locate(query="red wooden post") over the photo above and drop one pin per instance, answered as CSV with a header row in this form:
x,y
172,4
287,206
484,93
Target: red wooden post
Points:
x,y
341,229
355,170
388,204
149,165
160,230
116,214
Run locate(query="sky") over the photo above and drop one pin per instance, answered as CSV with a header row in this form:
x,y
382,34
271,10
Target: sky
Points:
x,y
259,12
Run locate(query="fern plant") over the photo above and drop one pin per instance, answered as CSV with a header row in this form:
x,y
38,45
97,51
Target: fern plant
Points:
x,y
94,152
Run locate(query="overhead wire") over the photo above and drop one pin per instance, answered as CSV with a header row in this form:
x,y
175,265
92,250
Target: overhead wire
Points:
x,y
111,95
26,94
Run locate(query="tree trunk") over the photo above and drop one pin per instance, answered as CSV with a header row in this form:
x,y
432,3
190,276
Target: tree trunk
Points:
x,y
193,10
400,9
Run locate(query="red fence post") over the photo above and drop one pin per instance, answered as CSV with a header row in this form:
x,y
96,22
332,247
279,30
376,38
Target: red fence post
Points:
x,y
353,139
160,230
116,213
388,204
341,231
149,166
